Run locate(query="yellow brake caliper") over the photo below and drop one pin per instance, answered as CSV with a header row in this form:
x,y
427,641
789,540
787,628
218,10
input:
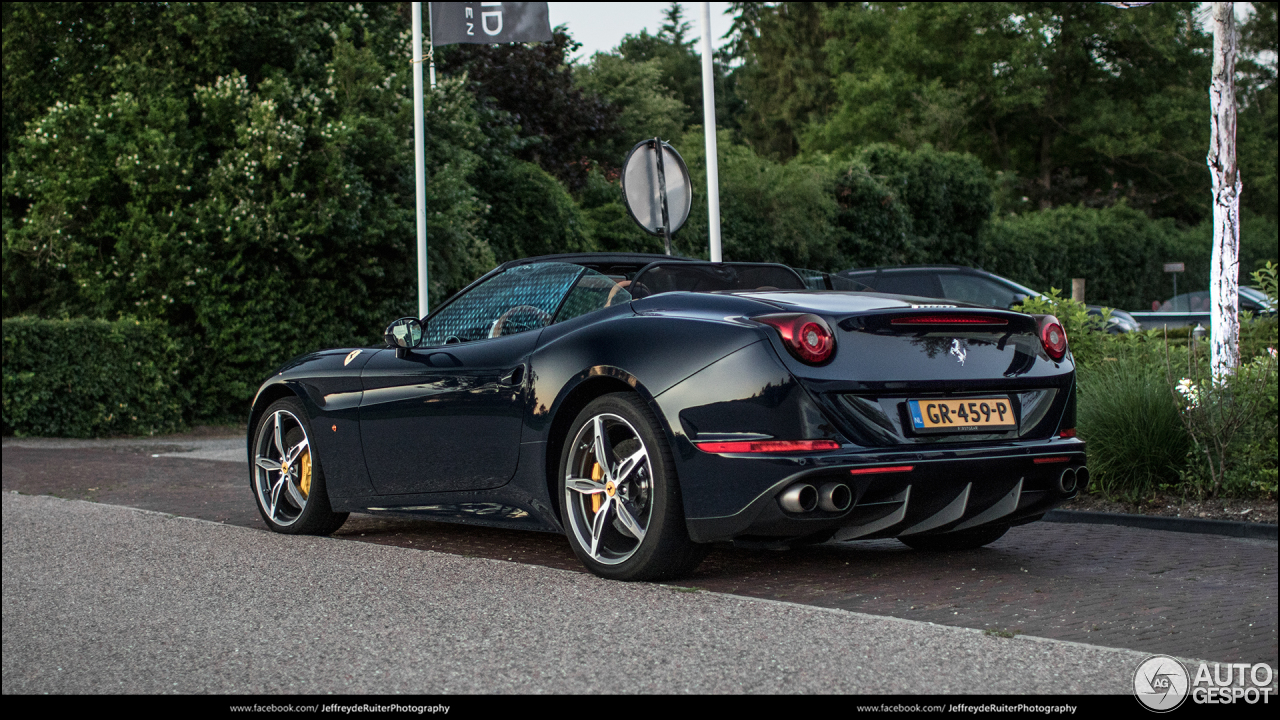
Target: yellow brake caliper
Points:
x,y
305,484
596,500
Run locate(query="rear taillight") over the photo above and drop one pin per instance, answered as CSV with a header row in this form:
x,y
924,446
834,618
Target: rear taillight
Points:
x,y
807,336
1052,336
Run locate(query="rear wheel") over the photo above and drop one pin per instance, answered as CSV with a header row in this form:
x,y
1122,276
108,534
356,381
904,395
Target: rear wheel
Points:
x,y
619,495
287,480
962,540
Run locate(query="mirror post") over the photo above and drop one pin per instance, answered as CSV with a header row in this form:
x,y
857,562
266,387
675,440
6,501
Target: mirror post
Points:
x,y
419,160
662,193
709,130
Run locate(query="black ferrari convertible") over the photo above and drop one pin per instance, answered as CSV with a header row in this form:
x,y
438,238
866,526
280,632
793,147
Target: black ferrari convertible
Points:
x,y
648,406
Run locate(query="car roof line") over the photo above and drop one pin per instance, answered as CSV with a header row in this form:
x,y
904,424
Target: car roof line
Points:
x,y
883,268
598,257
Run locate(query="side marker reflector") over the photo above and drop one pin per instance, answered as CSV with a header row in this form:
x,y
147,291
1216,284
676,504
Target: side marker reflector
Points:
x,y
768,446
1068,433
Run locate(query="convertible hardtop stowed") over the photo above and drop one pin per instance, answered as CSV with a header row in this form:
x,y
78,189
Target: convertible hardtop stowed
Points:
x,y
614,397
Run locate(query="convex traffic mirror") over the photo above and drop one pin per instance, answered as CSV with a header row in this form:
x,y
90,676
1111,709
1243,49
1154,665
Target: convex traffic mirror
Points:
x,y
656,188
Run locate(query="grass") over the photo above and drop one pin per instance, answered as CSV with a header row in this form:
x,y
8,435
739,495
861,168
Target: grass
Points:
x,y
1128,417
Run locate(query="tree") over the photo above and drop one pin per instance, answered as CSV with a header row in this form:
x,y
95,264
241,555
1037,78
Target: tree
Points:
x,y
1225,269
563,125
646,107
1257,147
1078,101
242,173
783,80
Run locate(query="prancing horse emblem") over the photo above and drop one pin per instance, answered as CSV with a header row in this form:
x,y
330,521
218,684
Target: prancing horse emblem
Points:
x,y
958,351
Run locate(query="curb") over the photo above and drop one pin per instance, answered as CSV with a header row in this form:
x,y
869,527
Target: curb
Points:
x,y
1230,528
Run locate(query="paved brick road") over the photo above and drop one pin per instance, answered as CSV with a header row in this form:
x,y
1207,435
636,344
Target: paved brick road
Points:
x,y
1197,596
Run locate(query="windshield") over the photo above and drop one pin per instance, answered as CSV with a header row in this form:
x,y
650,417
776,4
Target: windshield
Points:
x,y
522,298
662,277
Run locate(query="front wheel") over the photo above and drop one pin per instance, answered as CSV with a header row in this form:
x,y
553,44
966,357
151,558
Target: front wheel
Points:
x,y
962,540
287,480
620,497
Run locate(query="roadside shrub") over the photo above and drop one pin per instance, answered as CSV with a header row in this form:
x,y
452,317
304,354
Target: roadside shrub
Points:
x,y
1136,441
1254,471
530,213
1234,421
91,378
949,196
1231,421
609,225
897,206
769,212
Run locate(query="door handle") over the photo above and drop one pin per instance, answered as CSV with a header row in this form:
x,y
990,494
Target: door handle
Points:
x,y
515,377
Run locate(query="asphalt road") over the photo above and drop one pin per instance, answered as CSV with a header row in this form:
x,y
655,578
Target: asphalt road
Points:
x,y
105,599
1192,596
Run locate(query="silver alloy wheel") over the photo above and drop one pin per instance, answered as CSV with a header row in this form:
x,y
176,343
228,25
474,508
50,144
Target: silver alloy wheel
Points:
x,y
282,470
608,489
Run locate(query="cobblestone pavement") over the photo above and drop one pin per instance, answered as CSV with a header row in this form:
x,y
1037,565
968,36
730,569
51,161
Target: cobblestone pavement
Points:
x,y
1197,596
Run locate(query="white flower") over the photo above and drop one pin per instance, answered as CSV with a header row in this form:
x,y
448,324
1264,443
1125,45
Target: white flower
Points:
x,y
1189,391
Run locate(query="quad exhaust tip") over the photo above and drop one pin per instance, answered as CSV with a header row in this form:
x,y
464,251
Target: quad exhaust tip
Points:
x,y
835,497
799,498
804,498
1067,481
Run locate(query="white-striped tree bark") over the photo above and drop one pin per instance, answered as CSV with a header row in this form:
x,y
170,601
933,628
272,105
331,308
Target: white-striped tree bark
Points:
x,y
1224,288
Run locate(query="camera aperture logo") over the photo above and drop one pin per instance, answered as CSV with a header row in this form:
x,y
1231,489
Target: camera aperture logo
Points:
x,y
1160,683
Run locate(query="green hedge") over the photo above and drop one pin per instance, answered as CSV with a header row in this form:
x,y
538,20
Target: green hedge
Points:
x,y
90,378
1119,251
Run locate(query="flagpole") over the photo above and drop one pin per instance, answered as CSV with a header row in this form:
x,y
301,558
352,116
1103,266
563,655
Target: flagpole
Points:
x,y
709,130
419,160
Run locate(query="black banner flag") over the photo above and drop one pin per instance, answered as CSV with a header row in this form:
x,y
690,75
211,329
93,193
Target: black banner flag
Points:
x,y
489,22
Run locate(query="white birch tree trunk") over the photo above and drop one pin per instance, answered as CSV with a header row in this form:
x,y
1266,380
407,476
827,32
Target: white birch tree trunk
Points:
x,y
1224,338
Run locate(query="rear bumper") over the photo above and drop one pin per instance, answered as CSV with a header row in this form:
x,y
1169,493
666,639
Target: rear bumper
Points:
x,y
942,491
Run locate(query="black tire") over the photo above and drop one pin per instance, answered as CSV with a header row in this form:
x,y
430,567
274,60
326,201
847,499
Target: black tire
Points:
x,y
312,515
962,540
649,492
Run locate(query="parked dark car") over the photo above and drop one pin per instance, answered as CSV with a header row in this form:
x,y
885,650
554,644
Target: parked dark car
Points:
x,y
965,284
1251,299
647,406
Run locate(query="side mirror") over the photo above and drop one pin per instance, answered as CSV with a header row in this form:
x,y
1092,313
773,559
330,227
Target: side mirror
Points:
x,y
403,334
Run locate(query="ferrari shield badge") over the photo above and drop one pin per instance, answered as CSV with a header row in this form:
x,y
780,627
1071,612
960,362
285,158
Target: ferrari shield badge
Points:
x,y
352,356
958,350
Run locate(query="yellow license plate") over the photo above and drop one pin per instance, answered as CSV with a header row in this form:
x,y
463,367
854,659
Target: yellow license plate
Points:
x,y
947,415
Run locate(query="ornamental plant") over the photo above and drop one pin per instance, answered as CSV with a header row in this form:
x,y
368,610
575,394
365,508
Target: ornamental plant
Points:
x,y
1216,411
